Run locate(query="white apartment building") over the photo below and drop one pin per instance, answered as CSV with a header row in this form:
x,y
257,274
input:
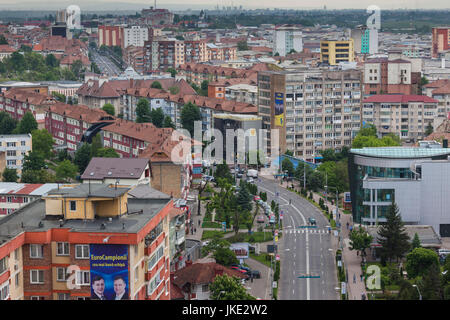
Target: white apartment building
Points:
x,y
286,38
135,36
13,147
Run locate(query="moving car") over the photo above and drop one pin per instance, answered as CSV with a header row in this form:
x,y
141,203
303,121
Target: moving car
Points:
x,y
252,173
312,221
250,180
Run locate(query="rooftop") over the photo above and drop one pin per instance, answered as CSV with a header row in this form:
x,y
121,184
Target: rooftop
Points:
x,y
101,168
401,152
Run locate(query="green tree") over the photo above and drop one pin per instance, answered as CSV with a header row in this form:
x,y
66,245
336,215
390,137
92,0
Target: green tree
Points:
x,y
109,109
189,114
66,171
416,242
59,96
168,122
223,172
83,157
96,145
34,160
7,123
27,124
287,165
360,240
172,71
107,153
63,155
432,283
37,176
156,85
407,291
429,129
142,111
157,116
225,256
42,143
174,90
289,153
244,199
225,287
242,46
3,39
419,261
77,68
10,175
51,61
392,235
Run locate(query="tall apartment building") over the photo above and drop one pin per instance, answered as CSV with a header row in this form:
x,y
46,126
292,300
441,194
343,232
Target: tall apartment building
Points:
x,y
195,51
407,116
159,55
440,41
287,38
334,51
111,36
13,147
95,228
365,40
384,76
314,110
135,36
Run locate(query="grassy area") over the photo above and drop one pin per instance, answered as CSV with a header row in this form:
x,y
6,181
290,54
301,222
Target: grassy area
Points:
x,y
264,258
252,238
209,224
209,234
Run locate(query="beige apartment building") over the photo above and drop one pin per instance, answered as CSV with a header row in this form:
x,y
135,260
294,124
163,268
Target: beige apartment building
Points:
x,y
314,109
407,116
13,147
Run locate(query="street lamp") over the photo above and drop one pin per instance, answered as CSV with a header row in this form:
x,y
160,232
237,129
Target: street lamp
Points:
x,y
417,287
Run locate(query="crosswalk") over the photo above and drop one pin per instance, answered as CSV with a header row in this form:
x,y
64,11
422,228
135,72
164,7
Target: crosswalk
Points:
x,y
310,231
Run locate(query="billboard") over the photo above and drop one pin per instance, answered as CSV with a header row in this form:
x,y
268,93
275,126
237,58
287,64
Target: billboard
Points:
x,y
241,250
279,109
109,272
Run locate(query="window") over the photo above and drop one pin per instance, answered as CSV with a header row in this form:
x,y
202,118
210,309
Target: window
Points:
x,y
63,296
25,199
36,251
62,249
83,278
4,291
73,206
82,251
61,274
2,265
17,279
136,274
36,276
205,288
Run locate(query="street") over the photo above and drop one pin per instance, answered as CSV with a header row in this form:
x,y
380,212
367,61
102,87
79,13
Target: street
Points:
x,y
105,65
303,251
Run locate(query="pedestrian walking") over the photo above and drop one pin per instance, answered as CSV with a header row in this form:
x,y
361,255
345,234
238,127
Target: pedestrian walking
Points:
x,y
199,222
354,278
362,277
195,230
347,225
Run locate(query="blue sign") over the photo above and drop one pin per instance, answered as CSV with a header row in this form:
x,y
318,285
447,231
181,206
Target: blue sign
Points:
x,y
224,226
109,272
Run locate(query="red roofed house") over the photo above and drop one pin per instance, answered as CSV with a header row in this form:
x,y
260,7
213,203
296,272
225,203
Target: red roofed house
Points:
x,y
5,51
407,116
194,279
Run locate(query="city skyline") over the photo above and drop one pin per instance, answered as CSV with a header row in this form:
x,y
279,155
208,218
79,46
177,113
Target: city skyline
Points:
x,y
207,4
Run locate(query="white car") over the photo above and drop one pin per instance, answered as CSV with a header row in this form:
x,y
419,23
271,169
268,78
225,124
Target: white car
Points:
x,y
250,180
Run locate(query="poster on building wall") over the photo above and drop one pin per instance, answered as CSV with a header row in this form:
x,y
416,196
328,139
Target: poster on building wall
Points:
x,y
109,272
279,109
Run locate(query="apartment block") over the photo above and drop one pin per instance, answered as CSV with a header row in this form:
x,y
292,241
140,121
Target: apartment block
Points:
x,y
13,148
287,38
134,36
440,41
67,239
332,52
313,110
406,116
111,36
195,51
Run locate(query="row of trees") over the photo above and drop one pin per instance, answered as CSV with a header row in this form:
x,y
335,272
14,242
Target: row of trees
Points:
x,y
8,125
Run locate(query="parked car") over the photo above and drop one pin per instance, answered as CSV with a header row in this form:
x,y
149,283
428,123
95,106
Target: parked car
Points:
x,y
256,198
239,175
312,221
254,273
250,180
240,267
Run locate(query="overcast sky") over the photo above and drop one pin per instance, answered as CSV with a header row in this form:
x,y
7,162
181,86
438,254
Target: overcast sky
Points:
x,y
249,4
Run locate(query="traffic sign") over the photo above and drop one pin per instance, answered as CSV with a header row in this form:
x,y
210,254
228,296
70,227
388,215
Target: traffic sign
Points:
x,y
277,257
276,238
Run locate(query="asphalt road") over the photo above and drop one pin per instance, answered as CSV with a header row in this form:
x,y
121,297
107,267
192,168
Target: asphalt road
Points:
x,y
105,65
302,250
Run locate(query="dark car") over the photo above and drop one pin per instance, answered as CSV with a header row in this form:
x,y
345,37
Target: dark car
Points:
x,y
312,221
255,274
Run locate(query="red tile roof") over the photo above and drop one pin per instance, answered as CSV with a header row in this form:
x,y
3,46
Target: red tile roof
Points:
x,y
19,94
202,273
398,98
445,89
80,112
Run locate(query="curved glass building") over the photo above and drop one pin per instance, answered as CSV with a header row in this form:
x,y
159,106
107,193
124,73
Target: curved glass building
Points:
x,y
417,179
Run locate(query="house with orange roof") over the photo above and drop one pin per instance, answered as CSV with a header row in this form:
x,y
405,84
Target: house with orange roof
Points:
x,y
5,51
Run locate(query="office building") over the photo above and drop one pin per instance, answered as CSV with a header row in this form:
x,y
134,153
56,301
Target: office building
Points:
x,y
416,179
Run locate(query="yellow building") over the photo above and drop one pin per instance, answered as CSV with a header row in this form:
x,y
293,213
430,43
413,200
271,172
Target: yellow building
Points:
x,y
334,51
